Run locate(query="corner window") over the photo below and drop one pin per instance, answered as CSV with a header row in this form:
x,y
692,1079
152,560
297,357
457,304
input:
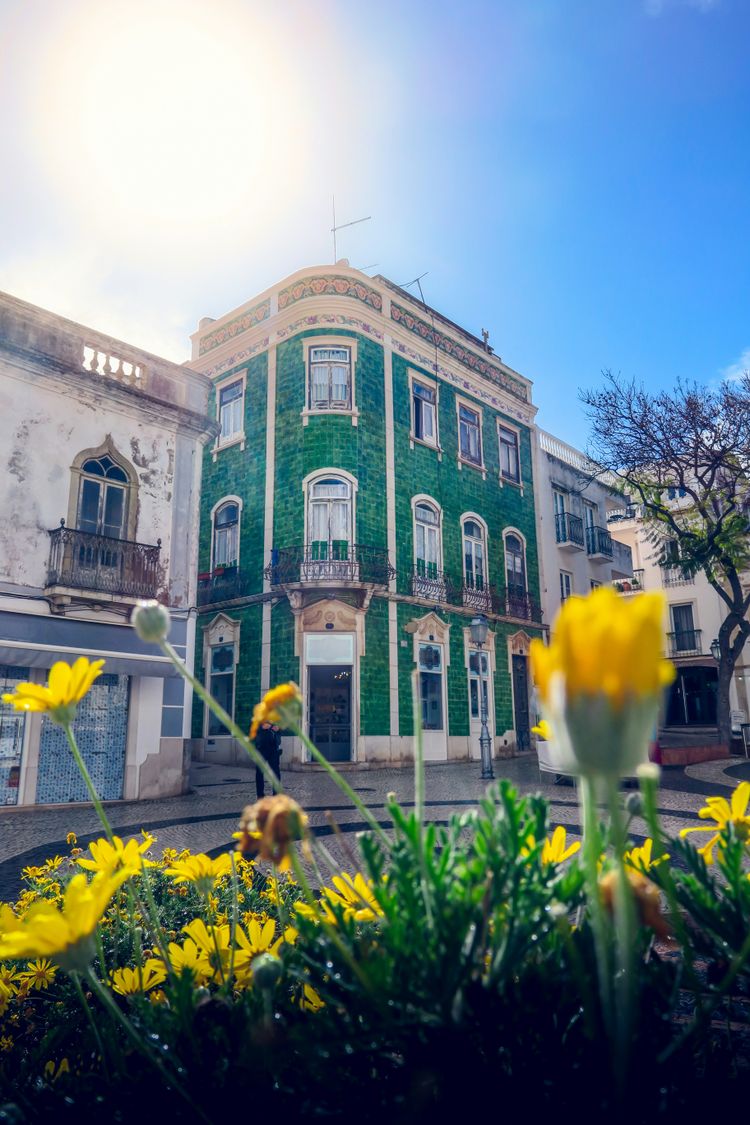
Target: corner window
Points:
x,y
230,405
102,498
329,520
469,435
221,685
330,379
226,535
424,412
509,463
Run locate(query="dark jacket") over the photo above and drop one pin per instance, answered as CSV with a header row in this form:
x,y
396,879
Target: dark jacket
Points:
x,y
268,742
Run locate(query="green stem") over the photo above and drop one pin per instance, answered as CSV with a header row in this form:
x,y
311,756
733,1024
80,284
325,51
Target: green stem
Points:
x,y
89,1016
153,915
257,758
591,853
343,785
626,931
88,782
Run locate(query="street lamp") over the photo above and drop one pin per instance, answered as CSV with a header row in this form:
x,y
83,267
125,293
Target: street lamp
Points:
x,y
478,631
716,650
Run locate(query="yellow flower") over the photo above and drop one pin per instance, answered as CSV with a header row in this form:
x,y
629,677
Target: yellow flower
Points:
x,y
65,688
281,705
213,944
639,859
128,982
310,1001
71,839
108,857
542,730
601,678
554,850
6,995
40,974
200,870
53,1071
64,935
723,813
355,896
188,957
6,1043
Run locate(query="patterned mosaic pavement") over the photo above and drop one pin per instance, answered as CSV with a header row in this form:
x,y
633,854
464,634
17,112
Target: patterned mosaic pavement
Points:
x,y
204,819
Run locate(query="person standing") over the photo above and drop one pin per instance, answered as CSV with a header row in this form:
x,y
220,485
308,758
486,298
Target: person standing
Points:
x,y
268,743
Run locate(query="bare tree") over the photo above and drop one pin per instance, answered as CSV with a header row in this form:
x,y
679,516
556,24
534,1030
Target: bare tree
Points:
x,y
696,441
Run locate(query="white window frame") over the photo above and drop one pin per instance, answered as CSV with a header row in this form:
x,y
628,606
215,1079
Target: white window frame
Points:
x,y
351,410
237,438
504,478
214,511
416,377
475,408
565,594
522,539
428,502
472,517
323,474
221,631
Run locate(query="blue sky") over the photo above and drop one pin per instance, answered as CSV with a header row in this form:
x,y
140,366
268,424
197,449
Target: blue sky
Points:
x,y
573,175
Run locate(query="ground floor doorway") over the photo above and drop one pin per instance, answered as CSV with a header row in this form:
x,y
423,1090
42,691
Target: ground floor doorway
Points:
x,y
521,702
329,691
480,696
692,697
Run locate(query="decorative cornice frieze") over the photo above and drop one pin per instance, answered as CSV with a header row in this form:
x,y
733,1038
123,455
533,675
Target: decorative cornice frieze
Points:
x,y
336,321
231,361
234,327
451,347
335,284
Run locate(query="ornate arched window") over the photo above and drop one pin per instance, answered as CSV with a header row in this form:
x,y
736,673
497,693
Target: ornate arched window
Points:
x,y
515,565
475,555
427,553
329,517
103,498
226,534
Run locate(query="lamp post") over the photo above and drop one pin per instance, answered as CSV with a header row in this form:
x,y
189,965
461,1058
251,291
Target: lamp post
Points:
x,y
478,631
716,650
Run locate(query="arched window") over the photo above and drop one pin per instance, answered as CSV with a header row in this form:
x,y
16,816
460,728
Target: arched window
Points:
x,y
329,521
475,570
226,534
515,566
102,498
427,555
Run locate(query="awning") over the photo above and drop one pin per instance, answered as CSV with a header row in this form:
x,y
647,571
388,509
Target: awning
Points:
x,y
25,656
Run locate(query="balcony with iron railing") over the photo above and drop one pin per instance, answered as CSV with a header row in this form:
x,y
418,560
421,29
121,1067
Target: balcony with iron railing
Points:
x,y
224,584
632,585
327,563
686,642
569,531
430,583
598,543
501,601
675,576
81,560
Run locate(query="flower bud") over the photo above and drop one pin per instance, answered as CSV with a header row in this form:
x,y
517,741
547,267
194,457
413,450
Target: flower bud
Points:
x,y
151,621
266,970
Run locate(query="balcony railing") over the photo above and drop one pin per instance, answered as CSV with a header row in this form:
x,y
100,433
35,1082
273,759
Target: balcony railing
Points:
x,y
598,542
430,583
568,529
687,642
222,585
675,576
336,561
84,561
514,601
477,596
632,585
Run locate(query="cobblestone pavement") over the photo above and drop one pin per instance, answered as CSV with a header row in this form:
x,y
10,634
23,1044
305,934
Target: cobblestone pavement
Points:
x,y
204,818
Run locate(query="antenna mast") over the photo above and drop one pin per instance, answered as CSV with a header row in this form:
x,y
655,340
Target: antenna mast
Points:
x,y
340,226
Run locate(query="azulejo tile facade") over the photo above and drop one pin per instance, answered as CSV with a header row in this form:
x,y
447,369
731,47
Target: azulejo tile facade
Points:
x,y
379,500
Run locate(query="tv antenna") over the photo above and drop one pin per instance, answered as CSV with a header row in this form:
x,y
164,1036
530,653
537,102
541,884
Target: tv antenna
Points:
x,y
418,282
340,226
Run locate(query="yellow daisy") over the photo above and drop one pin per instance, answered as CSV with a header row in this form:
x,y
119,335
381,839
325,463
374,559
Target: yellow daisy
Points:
x,y
723,812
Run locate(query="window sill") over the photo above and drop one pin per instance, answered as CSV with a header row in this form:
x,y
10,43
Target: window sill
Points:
x,y
480,468
414,440
503,480
236,439
350,411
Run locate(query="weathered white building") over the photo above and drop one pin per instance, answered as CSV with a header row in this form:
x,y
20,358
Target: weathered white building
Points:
x,y
577,551
102,445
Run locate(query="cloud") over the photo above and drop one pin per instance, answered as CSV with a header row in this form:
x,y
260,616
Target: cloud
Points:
x,y
735,371
656,8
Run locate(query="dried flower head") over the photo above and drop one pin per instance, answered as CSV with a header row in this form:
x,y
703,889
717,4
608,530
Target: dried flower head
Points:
x,y
268,828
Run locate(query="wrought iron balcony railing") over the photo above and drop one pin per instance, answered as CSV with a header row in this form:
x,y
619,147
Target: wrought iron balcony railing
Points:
x,y
334,561
514,601
222,585
478,596
430,583
686,642
598,542
84,561
676,576
568,529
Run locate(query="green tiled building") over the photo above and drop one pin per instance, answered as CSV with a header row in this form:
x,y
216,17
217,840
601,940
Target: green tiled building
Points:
x,y
369,494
